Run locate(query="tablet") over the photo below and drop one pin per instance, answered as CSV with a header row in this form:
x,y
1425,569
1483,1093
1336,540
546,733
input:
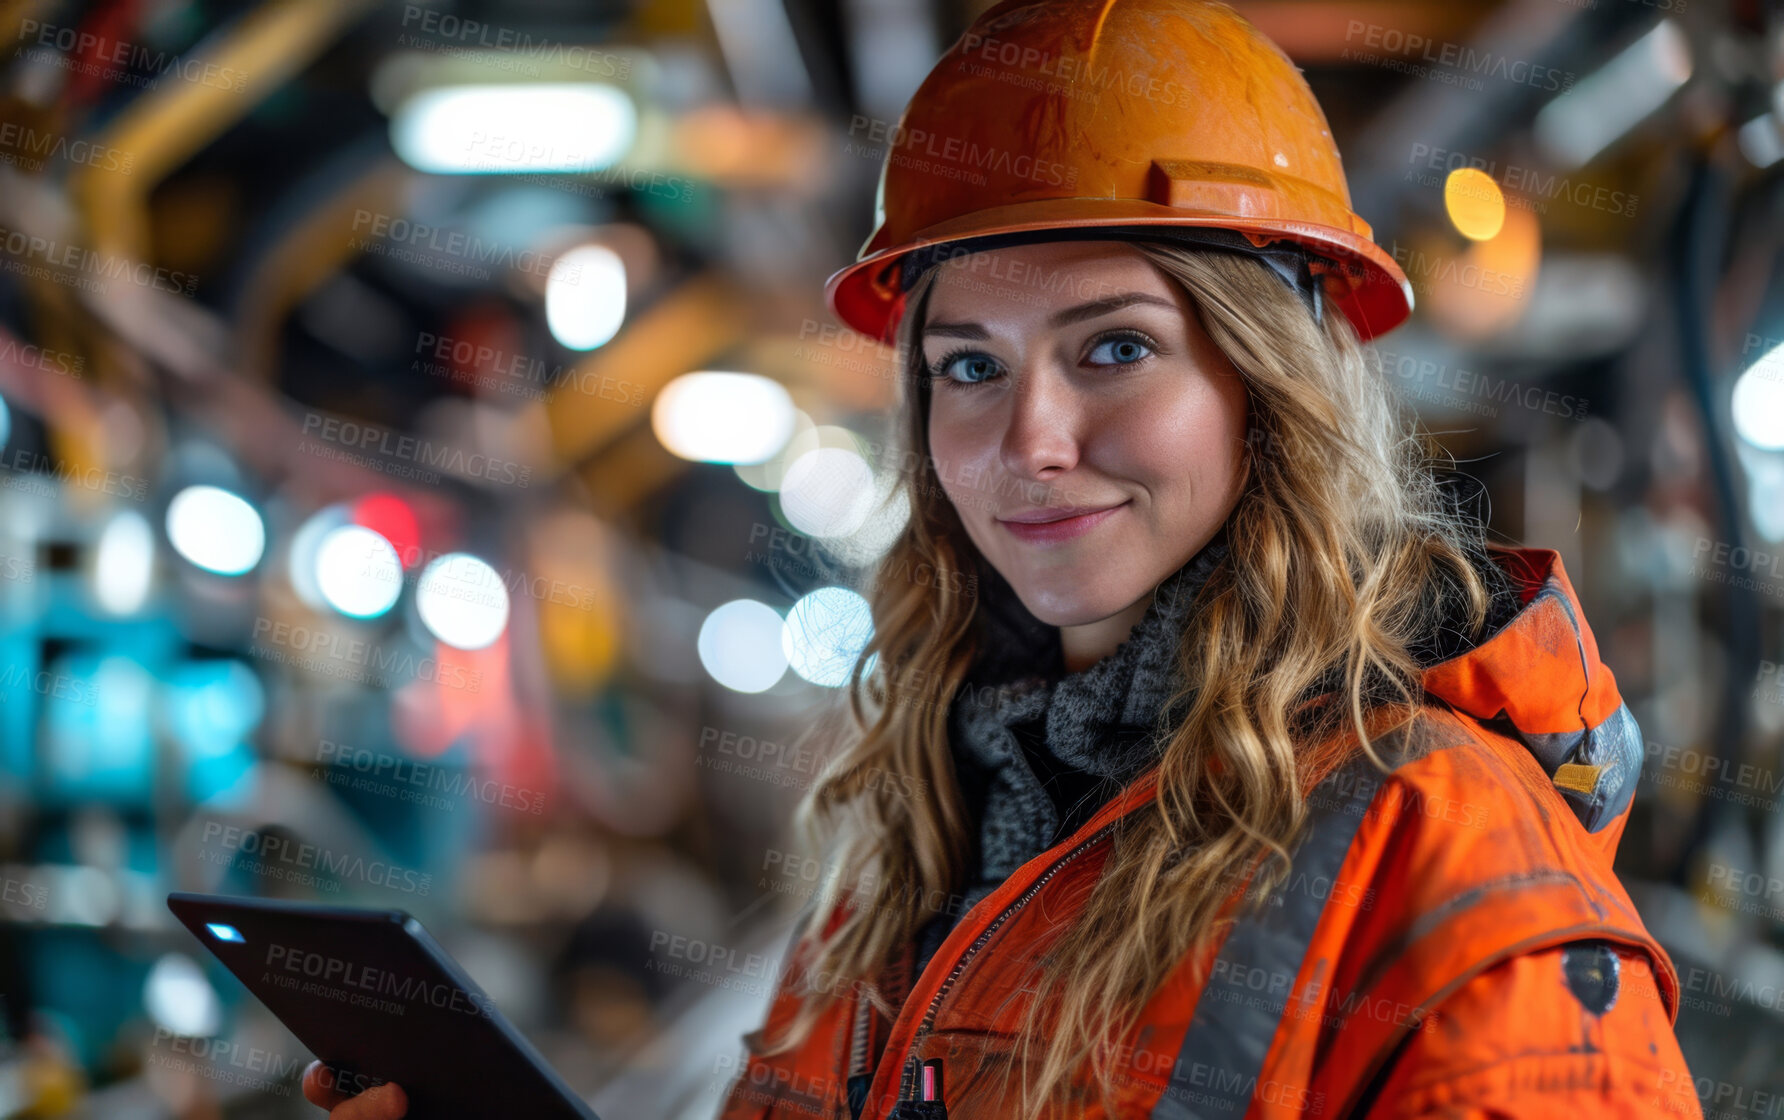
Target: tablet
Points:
x,y
370,993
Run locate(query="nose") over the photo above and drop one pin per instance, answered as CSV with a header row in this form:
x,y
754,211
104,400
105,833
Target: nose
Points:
x,y
1042,423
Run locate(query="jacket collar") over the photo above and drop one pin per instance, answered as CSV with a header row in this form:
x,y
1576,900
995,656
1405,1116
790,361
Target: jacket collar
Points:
x,y
1538,680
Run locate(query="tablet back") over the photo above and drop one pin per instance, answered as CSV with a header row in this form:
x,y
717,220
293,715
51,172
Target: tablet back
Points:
x,y
369,992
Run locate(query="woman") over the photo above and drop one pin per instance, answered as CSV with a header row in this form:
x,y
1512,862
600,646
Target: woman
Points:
x,y
1249,780
1255,783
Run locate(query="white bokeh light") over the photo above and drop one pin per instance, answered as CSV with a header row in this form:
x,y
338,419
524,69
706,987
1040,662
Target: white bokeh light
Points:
x,y
887,518
1758,402
585,297
216,530
514,128
740,645
124,563
179,998
828,492
714,417
357,571
462,602
825,633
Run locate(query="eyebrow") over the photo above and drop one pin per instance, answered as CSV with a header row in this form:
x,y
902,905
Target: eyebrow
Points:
x,y
1061,318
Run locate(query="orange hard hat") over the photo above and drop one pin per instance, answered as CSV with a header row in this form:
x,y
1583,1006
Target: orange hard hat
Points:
x,y
1169,119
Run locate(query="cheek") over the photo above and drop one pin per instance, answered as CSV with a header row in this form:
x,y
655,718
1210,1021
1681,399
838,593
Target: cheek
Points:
x,y
1195,440
955,443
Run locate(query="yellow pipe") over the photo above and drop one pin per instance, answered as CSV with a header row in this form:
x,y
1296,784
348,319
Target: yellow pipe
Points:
x,y
197,101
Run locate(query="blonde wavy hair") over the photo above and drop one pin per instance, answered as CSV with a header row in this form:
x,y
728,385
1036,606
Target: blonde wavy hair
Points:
x,y
1345,552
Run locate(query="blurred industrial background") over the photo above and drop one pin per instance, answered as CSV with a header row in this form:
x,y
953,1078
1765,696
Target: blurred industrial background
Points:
x,y
429,478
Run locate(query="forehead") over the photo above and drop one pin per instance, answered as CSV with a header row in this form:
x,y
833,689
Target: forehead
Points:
x,y
1032,281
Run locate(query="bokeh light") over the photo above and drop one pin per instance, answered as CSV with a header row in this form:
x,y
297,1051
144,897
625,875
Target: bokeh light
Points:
x,y
394,520
358,572
825,633
740,646
306,547
711,417
179,998
124,563
462,601
515,128
585,297
216,530
828,492
1475,203
1758,402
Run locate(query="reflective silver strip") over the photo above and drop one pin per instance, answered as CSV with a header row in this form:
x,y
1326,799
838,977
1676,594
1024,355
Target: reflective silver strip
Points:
x,y
1241,1006
1613,745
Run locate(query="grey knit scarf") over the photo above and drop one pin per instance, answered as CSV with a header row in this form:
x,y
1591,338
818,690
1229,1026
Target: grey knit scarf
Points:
x,y
1037,749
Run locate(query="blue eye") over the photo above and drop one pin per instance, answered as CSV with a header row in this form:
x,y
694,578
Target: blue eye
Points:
x,y
1122,350
964,367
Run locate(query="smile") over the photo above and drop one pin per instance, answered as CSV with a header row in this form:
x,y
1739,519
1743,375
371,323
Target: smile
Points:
x,y
1043,532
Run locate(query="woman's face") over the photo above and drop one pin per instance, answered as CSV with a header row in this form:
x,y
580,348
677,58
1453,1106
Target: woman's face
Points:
x,y
1075,376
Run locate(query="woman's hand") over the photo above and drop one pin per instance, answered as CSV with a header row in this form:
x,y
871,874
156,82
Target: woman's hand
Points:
x,y
342,1096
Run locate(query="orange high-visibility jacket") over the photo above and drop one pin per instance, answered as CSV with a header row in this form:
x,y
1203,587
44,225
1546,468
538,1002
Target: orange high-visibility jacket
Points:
x,y
1451,939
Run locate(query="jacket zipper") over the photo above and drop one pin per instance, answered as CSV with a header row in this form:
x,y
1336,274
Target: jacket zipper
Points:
x,y
907,1088
858,1043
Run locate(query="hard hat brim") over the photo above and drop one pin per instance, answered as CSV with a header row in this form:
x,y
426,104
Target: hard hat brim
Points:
x,y
1365,284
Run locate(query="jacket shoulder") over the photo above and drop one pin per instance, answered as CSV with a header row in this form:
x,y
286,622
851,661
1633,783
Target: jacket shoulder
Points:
x,y
1474,786
1467,856
1473,820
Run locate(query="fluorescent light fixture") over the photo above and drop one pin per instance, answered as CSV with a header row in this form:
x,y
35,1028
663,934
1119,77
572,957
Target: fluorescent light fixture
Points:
x,y
1613,99
514,129
223,931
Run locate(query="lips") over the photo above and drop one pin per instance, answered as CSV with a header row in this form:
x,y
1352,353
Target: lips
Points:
x,y
1059,524
1059,513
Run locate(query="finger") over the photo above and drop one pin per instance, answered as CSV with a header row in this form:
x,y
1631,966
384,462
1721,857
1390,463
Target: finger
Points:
x,y
320,1086
381,1102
